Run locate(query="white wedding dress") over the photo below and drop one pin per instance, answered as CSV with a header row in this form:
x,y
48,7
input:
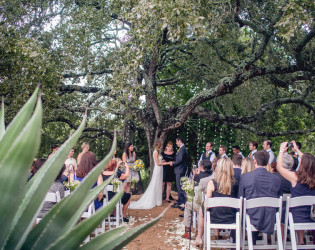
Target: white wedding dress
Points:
x,y
152,197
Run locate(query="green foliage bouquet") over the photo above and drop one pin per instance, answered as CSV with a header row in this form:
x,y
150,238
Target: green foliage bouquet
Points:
x,y
116,182
188,186
72,185
138,165
133,181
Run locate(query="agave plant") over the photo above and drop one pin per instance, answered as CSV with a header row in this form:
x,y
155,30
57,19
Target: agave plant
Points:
x,y
21,200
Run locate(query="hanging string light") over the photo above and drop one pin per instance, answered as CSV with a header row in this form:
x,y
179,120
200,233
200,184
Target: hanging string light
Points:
x,y
187,131
221,136
230,142
215,134
242,140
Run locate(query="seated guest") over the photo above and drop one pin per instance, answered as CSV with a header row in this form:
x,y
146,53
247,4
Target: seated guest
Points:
x,y
223,185
87,163
256,184
71,166
56,186
85,148
35,167
63,177
54,148
203,171
109,171
237,162
195,206
222,151
248,165
302,183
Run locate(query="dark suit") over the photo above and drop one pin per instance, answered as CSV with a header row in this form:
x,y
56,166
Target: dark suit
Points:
x,y
256,184
180,170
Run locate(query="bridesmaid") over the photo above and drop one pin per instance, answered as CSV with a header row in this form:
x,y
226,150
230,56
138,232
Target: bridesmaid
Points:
x,y
168,170
129,157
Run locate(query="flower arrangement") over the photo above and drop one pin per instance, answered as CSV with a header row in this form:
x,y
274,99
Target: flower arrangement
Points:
x,y
188,186
72,185
133,181
116,182
138,165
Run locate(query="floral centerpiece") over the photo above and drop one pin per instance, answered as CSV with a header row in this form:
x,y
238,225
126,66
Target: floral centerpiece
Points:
x,y
133,181
188,186
72,185
138,165
116,182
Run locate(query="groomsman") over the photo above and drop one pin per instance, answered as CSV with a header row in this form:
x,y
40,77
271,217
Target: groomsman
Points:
x,y
296,156
180,170
267,146
208,155
222,151
237,151
253,145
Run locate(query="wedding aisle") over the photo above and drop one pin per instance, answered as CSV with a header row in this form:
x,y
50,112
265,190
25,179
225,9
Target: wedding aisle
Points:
x,y
166,234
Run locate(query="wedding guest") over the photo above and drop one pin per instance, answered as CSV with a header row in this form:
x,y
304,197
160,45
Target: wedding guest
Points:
x,y
56,186
63,177
204,170
253,145
296,154
223,185
208,155
35,167
236,150
267,146
237,162
248,165
129,157
222,151
71,166
54,148
168,170
109,171
302,183
85,148
87,163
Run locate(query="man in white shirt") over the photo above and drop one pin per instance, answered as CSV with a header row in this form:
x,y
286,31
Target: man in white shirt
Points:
x,y
208,155
267,146
253,145
222,151
237,151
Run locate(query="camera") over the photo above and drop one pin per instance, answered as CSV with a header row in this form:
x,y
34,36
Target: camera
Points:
x,y
290,145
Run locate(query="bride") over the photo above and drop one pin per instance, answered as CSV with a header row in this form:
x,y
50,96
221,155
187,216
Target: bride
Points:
x,y
153,195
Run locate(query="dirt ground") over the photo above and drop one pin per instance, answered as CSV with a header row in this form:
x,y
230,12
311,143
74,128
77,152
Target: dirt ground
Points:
x,y
166,234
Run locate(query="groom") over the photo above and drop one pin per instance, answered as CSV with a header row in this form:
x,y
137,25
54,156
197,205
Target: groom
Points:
x,y
180,170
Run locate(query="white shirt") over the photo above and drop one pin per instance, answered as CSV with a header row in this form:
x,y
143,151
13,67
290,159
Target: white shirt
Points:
x,y
211,157
271,156
252,153
240,153
224,155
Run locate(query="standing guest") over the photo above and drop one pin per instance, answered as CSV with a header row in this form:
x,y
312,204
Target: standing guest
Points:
x,y
302,184
267,146
208,155
85,148
71,166
237,162
109,171
129,157
236,150
248,165
180,170
35,167
87,163
56,186
54,148
223,185
204,170
253,145
222,151
256,184
168,170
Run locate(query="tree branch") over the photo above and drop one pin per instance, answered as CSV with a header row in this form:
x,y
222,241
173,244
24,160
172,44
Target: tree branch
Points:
x,y
76,75
82,89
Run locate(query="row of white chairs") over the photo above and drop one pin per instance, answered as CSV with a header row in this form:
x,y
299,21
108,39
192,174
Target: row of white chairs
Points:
x,y
243,227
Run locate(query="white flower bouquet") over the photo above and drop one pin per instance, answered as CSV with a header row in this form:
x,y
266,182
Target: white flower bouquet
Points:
x,y
72,185
133,181
138,165
188,186
116,182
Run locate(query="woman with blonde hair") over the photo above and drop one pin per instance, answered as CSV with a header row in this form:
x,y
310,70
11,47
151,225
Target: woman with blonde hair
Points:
x,y
85,148
153,195
248,165
223,185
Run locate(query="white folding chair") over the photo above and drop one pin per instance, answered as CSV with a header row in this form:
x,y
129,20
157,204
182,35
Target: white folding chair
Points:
x,y
289,222
222,202
87,214
195,215
256,203
50,197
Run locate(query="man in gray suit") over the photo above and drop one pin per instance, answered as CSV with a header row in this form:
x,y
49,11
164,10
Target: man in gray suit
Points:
x,y
180,170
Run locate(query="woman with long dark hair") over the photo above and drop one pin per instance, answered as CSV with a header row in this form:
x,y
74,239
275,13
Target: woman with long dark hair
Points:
x,y
129,157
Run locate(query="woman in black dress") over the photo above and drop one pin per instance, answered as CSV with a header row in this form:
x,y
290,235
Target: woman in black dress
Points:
x,y
168,170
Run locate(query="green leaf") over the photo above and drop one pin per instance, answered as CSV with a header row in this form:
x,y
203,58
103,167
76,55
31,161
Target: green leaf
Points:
x,y
17,124
15,167
2,124
36,190
103,239
60,226
74,238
